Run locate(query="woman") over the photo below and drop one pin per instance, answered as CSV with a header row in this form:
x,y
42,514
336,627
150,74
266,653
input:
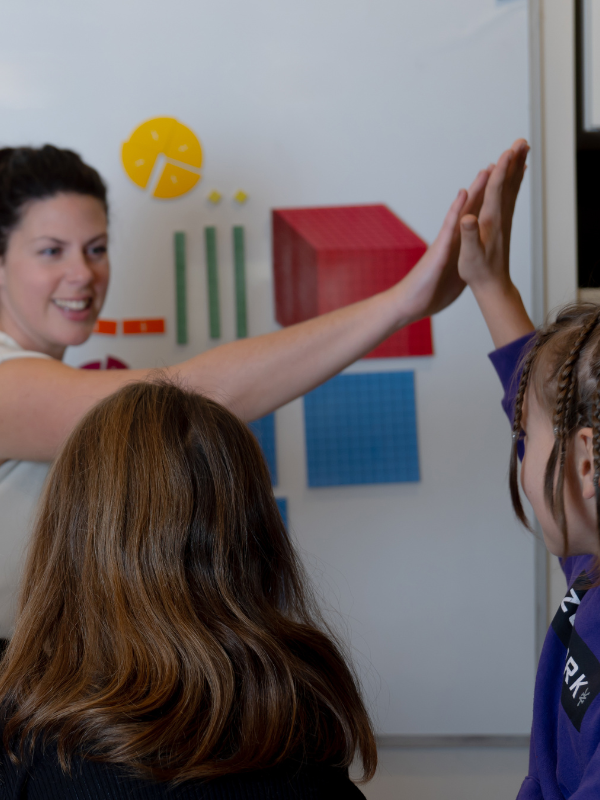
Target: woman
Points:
x,y
54,275
167,643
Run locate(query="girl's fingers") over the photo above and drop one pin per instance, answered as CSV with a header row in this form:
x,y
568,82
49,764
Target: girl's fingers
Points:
x,y
520,150
506,164
499,173
476,193
472,250
470,235
515,176
520,145
521,160
492,202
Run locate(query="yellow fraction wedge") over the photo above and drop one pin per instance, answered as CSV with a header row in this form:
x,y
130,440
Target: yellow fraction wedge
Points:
x,y
138,162
184,146
154,133
175,181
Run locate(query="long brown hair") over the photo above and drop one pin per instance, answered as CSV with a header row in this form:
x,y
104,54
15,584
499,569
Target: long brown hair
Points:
x,y
165,622
563,369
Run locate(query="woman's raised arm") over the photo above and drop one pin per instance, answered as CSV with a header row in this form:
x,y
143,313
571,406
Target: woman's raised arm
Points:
x,y
41,400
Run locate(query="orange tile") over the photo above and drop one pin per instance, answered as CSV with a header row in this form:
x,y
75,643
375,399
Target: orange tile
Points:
x,y
106,326
131,326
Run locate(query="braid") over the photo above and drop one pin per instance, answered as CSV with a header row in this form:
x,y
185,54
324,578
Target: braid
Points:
x,y
514,453
596,446
562,422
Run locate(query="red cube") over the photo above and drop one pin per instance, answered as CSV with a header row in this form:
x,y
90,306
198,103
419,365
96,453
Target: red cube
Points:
x,y
326,258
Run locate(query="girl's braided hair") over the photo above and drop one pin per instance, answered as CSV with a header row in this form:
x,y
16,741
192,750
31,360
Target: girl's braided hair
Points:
x,y
563,368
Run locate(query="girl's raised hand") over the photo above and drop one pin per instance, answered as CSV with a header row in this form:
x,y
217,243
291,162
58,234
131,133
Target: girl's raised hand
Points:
x,y
485,242
484,260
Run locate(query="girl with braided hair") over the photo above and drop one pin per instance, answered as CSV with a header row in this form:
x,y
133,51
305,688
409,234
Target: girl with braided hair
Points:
x,y
551,379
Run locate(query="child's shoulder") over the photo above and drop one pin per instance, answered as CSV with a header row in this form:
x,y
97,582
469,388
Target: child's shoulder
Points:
x,y
578,568
506,359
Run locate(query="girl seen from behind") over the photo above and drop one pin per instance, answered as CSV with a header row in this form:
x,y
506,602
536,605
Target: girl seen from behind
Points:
x,y
167,641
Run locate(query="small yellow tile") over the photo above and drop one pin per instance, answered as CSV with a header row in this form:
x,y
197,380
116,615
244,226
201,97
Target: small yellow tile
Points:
x,y
214,197
240,196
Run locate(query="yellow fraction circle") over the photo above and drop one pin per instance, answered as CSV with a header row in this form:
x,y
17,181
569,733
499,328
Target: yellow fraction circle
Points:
x,y
169,137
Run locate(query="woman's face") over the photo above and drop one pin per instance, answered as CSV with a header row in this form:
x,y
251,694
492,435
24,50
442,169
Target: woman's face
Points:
x,y
54,274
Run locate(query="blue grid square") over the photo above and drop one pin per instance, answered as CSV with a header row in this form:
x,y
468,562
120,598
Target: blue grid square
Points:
x,y
264,430
362,429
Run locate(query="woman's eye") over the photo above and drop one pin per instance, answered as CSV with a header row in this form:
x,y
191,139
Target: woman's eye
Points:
x,y
51,251
98,250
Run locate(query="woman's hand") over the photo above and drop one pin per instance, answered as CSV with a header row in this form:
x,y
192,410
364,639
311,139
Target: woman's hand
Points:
x,y
434,282
484,261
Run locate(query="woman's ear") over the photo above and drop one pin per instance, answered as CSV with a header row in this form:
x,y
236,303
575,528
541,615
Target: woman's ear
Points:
x,y
584,462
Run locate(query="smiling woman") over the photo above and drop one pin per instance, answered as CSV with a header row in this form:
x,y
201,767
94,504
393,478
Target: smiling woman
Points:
x,y
53,245
55,273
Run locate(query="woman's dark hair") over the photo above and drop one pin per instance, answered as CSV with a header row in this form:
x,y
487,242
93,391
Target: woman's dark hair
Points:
x,y
165,621
562,368
30,173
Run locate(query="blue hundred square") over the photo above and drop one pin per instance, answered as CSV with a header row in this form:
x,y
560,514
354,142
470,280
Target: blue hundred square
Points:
x,y
362,429
264,430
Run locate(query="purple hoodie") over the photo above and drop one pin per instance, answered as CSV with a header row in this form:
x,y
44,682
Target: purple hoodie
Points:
x,y
564,758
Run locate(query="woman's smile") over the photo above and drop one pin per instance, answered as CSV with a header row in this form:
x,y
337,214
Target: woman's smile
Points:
x,y
74,309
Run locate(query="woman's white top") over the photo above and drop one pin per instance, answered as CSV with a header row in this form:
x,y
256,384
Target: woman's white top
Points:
x,y
21,484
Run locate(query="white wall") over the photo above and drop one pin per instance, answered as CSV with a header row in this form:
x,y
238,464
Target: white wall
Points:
x,y
326,102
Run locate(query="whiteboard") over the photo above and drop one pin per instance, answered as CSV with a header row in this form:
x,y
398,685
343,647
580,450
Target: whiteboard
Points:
x,y
316,103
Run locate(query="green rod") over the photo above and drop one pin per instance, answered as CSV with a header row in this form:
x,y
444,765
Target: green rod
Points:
x,y
240,281
180,288
214,313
